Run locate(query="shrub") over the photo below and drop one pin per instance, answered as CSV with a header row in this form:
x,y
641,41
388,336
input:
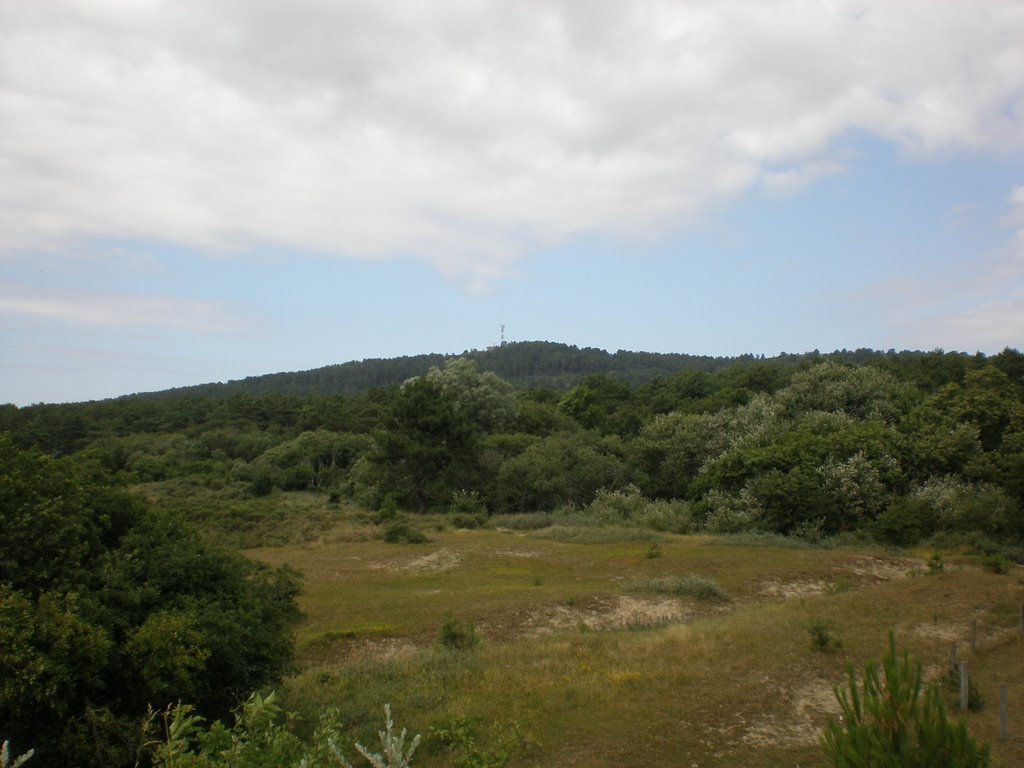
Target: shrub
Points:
x,y
467,503
975,701
458,739
395,754
995,564
262,735
400,532
891,720
458,636
823,636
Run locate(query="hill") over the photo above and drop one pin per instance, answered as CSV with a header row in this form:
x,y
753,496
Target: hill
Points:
x,y
524,365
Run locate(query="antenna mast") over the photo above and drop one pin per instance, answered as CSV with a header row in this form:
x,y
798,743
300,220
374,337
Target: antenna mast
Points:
x,y
503,334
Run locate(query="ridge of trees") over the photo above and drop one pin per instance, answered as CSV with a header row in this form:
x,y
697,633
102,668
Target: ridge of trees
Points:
x,y
524,365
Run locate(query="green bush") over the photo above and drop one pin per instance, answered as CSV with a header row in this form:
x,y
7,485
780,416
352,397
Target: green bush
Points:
x,y
995,564
400,532
108,607
975,700
890,720
458,636
262,737
823,636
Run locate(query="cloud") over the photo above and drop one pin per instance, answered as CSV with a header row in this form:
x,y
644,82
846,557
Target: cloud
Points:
x,y
121,310
976,304
992,326
466,133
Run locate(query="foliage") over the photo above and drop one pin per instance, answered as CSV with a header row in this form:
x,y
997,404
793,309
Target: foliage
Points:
x,y
395,755
485,399
108,607
458,636
467,510
262,736
890,719
565,468
457,737
975,700
426,446
402,532
823,636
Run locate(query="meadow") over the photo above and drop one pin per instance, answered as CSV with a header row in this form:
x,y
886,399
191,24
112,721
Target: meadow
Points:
x,y
611,646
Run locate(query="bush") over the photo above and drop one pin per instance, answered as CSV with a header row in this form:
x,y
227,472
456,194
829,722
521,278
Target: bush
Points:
x,y
995,564
458,636
975,701
891,720
108,607
823,636
262,735
400,532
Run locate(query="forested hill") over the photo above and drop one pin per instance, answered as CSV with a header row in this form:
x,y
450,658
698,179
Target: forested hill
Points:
x,y
524,365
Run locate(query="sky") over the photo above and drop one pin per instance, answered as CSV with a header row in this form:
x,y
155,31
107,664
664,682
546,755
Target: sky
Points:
x,y
202,191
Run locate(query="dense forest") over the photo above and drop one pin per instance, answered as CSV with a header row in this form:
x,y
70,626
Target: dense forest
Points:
x,y
524,365
900,446
139,606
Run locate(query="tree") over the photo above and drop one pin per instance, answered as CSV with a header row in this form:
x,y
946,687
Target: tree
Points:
x,y
107,607
426,448
600,402
486,400
892,721
560,469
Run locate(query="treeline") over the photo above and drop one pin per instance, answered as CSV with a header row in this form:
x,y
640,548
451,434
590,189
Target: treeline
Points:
x,y
899,446
524,365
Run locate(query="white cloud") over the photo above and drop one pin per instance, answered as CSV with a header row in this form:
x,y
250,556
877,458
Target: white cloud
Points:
x,y
977,304
124,311
463,132
991,326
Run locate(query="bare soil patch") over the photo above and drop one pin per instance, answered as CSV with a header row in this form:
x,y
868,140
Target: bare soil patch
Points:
x,y
435,562
608,613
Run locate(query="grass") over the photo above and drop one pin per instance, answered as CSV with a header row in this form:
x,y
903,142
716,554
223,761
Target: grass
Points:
x,y
722,684
692,585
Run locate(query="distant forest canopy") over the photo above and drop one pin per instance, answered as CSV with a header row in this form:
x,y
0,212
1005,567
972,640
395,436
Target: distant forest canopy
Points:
x,y
523,364
836,441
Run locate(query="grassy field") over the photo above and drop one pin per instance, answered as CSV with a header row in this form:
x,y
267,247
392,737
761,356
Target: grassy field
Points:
x,y
602,649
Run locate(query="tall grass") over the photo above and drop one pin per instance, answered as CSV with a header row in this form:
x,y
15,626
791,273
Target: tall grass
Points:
x,y
692,585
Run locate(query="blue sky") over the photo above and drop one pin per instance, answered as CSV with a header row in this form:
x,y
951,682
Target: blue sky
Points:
x,y
202,192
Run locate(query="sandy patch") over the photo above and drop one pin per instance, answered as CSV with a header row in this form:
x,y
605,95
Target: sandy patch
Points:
x,y
605,613
608,613
525,553
435,562
381,649
814,703
946,632
791,589
877,569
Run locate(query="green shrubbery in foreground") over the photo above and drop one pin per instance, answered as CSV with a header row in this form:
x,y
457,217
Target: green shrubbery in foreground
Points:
x,y
261,737
891,720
